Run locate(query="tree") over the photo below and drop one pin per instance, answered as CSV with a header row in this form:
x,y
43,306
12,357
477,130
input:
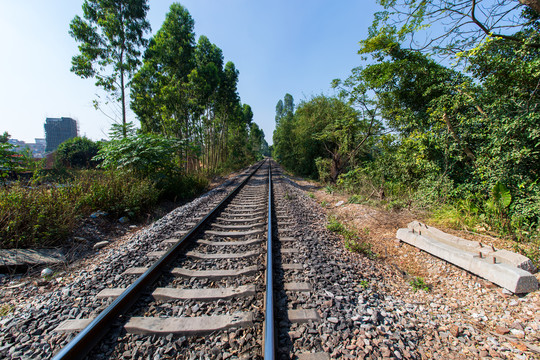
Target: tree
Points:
x,y
4,137
160,93
77,152
451,26
110,34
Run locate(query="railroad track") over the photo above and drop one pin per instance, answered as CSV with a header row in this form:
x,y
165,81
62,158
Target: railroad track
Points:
x,y
211,288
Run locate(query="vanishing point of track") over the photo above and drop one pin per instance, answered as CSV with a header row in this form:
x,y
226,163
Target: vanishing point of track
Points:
x,y
227,257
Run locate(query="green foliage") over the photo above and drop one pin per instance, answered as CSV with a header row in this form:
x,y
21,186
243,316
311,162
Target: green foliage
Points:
x,y
185,90
355,199
418,283
352,241
44,216
115,193
6,309
311,195
9,160
110,34
149,156
335,226
77,153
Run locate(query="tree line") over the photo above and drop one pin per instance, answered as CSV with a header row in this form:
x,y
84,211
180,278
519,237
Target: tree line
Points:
x,y
182,91
407,128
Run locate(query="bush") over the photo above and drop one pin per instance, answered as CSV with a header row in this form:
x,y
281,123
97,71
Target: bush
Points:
x,y
41,216
45,216
77,153
116,193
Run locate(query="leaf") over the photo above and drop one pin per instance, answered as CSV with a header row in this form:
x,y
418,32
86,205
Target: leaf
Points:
x,y
502,195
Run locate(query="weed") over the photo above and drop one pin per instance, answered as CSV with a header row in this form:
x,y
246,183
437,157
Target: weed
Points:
x,y
355,199
418,283
358,246
352,242
6,309
364,284
287,196
329,189
324,203
311,195
335,226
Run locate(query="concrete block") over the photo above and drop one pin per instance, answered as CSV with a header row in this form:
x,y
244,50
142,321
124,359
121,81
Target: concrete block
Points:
x,y
214,274
303,315
28,257
487,251
188,325
204,256
209,294
509,277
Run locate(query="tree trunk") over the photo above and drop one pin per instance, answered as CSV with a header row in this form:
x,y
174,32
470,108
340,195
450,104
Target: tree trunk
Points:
x,y
123,90
451,130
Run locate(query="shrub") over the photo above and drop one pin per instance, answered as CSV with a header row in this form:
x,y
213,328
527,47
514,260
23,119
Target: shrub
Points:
x,y
41,216
78,153
116,193
45,216
418,283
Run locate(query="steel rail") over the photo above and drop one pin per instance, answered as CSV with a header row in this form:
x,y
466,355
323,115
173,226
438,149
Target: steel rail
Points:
x,y
81,344
269,336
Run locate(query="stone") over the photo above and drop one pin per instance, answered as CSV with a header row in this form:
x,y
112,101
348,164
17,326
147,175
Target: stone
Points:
x,y
501,330
46,272
100,245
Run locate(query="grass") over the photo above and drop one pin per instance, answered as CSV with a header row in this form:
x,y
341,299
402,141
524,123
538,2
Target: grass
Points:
x,y
417,283
311,195
355,199
46,215
352,241
6,309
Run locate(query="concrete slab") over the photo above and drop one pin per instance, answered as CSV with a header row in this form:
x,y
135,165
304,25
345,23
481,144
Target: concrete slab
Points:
x,y
259,218
243,255
292,267
155,254
71,326
229,243
509,277
251,205
166,294
28,257
135,271
188,325
303,316
238,227
487,251
244,215
297,286
314,356
214,274
235,234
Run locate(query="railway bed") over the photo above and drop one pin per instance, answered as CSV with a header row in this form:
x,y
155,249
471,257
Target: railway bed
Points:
x,y
212,292
347,306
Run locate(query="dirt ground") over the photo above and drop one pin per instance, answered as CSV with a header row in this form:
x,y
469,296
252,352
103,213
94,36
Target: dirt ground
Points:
x,y
463,297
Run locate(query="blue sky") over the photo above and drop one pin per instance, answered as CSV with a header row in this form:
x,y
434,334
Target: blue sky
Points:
x,y
294,46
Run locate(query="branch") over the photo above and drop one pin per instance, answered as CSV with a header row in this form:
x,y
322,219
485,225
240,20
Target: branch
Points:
x,y
490,34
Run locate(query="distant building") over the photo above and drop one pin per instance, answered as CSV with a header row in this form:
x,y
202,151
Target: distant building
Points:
x,y
58,130
37,148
